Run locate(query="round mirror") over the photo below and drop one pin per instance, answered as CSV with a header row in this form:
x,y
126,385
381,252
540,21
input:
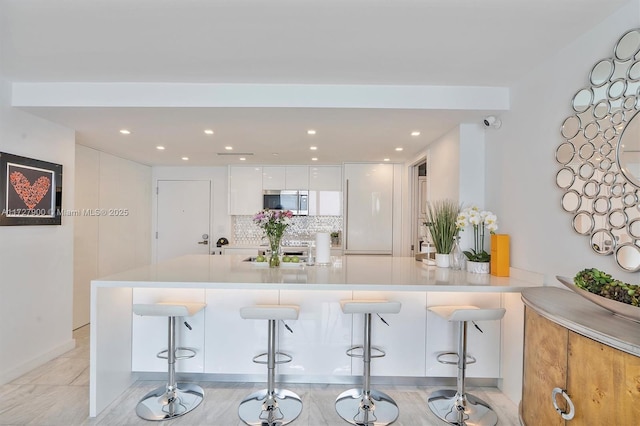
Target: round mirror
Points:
x,y
602,242
601,110
601,72
586,171
617,219
634,72
582,100
600,155
571,201
634,228
628,45
583,222
628,153
601,205
565,153
571,126
591,189
565,178
617,89
628,257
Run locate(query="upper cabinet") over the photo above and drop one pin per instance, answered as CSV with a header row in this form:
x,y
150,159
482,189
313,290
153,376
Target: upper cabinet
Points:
x,y
325,178
245,190
285,177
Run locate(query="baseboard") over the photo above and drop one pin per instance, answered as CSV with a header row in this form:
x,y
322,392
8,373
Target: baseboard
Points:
x,y
25,367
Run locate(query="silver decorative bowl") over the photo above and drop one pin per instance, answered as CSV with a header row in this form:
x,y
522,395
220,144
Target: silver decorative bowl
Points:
x,y
621,309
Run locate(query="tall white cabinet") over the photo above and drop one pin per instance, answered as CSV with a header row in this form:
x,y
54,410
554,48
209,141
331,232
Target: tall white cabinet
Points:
x,y
368,210
325,191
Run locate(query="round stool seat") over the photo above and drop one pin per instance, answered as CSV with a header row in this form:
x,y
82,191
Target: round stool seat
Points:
x,y
457,407
270,312
370,306
172,399
166,309
271,406
467,313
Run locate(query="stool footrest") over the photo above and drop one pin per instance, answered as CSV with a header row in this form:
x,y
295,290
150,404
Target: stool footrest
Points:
x,y
283,360
358,352
441,355
190,353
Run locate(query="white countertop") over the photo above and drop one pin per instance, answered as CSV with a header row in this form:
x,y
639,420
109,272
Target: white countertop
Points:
x,y
381,273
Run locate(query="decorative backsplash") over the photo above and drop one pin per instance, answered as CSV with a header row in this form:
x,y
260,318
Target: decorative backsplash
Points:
x,y
303,228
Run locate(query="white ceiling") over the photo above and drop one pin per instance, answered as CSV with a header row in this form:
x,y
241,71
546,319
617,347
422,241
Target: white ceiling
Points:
x,y
337,42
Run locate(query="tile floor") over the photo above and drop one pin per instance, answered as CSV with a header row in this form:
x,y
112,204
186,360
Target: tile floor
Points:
x,y
57,394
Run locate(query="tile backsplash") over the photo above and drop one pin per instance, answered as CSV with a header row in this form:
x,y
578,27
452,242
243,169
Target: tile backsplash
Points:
x,y
302,228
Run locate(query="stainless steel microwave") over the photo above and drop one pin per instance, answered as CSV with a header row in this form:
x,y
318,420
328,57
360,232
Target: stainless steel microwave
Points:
x,y
296,201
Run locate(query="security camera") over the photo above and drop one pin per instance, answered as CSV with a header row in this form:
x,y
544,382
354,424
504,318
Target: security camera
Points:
x,y
492,121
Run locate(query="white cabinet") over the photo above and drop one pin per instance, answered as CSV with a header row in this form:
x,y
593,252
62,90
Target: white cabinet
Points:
x,y
325,178
273,177
296,177
245,190
325,191
369,208
285,177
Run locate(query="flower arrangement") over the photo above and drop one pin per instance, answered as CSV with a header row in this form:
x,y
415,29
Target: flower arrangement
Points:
x,y
480,221
274,223
441,221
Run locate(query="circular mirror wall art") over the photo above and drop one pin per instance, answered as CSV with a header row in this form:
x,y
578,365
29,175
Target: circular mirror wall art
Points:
x,y
599,156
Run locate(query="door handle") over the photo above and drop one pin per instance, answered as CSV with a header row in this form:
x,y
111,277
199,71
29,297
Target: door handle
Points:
x,y
205,239
205,242
567,415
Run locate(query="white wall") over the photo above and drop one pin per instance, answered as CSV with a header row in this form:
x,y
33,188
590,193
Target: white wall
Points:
x,y
443,167
521,166
220,225
36,262
113,243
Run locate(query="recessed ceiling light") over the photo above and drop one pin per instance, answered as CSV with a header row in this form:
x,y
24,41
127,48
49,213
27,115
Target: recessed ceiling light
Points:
x,y
313,148
415,133
314,159
386,159
242,159
311,132
208,132
399,148
125,132
160,147
185,158
275,154
228,148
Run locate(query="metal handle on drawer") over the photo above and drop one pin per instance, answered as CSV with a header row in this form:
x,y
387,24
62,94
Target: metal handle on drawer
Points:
x,y
346,214
565,415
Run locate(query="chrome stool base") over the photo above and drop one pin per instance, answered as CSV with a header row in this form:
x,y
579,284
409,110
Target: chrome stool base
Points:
x,y
260,409
158,405
445,403
375,409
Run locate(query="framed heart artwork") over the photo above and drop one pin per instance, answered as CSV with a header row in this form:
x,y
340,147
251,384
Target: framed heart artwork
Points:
x,y
30,191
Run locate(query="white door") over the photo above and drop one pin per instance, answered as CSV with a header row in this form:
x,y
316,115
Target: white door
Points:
x,y
183,218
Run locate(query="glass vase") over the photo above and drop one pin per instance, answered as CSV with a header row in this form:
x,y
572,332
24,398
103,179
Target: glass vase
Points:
x,y
456,256
274,245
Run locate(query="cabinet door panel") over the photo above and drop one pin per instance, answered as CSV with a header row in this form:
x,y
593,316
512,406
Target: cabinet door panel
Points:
x,y
603,383
545,367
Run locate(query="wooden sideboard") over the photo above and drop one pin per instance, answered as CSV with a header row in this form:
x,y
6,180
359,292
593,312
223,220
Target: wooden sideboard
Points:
x,y
583,351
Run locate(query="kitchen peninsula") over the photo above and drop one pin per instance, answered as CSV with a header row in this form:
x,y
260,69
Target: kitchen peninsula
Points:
x,y
124,345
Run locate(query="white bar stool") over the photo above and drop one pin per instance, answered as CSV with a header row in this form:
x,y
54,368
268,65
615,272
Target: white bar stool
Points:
x,y
270,406
365,406
457,407
173,399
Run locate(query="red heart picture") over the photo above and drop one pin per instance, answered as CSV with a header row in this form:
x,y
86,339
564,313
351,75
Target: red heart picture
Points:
x,y
30,194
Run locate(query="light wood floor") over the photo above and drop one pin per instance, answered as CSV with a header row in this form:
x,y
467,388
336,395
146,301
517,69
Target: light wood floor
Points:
x,y
57,394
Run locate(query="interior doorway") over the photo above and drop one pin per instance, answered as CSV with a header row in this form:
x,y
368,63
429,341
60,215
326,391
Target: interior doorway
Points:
x,y
419,231
183,218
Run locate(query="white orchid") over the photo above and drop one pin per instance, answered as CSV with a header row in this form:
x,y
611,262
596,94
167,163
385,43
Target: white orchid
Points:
x,y
479,220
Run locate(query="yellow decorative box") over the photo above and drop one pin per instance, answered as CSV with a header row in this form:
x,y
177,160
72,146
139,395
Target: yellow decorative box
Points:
x,y
500,255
